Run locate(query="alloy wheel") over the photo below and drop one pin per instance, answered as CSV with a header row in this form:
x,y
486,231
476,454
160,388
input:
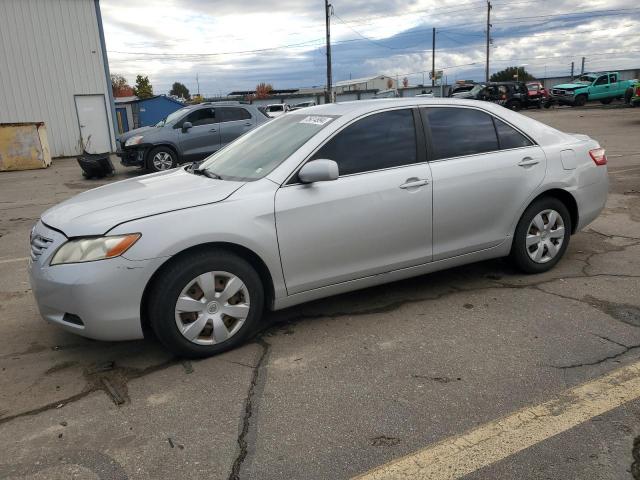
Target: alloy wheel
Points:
x,y
545,236
212,308
162,161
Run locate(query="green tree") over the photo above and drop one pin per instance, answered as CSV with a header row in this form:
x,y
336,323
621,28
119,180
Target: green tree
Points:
x,y
180,90
143,88
510,74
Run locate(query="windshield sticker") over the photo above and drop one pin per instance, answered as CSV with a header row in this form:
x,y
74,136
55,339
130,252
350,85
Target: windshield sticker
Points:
x,y
316,120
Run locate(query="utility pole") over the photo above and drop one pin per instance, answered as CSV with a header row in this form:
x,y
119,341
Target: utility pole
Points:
x,y
486,73
328,98
198,82
582,68
433,59
572,66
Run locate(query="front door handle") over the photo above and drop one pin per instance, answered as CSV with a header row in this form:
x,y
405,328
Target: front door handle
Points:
x,y
528,162
213,130
413,183
248,124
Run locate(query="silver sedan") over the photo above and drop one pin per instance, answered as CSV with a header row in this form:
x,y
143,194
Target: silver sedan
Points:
x,y
315,203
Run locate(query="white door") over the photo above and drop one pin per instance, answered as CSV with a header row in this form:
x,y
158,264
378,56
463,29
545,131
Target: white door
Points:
x,y
94,123
375,218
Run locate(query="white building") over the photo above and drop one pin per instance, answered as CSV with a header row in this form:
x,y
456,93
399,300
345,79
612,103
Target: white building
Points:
x,y
379,82
53,69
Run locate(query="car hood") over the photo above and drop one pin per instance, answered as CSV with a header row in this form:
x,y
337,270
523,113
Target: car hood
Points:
x,y
136,131
96,211
570,86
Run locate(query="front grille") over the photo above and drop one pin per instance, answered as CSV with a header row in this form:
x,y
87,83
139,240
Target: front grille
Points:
x,y
38,245
558,92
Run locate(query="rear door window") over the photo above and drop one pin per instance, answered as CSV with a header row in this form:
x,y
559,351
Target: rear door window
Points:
x,y
509,137
378,141
456,132
231,114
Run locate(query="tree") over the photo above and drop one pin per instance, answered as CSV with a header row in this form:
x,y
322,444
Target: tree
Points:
x,y
180,90
119,86
405,82
263,90
143,88
510,74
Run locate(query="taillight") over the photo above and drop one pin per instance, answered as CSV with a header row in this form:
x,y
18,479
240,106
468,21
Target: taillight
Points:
x,y
638,91
598,156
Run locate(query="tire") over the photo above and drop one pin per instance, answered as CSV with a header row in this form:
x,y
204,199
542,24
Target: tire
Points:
x,y
606,101
161,158
514,105
521,255
580,101
208,330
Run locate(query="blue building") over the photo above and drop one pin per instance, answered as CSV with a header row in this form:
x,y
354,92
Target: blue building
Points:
x,y
132,112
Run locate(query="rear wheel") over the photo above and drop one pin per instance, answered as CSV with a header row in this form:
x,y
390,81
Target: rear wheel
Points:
x,y
542,236
205,303
161,158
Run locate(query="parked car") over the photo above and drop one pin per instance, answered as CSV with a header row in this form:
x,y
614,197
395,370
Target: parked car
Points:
x,y
186,135
312,204
460,87
300,105
537,93
603,86
512,95
277,109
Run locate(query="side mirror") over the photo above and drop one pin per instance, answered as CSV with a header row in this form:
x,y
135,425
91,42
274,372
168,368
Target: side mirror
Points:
x,y
186,126
318,171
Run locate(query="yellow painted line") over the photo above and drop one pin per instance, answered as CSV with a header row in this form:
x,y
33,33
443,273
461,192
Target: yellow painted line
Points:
x,y
458,456
11,260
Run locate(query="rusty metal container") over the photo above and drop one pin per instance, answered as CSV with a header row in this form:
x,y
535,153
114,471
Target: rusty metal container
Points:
x,y
24,146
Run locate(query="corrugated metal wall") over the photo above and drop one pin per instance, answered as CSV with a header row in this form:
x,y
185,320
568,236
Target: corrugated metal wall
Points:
x,y
50,50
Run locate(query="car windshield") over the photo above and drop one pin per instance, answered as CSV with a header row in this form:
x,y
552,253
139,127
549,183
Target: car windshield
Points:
x,y
172,116
256,154
477,89
533,87
586,79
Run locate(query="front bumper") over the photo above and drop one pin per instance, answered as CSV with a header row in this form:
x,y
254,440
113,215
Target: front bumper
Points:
x,y
99,300
132,157
565,99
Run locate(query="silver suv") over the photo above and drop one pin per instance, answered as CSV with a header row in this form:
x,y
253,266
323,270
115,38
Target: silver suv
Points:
x,y
187,135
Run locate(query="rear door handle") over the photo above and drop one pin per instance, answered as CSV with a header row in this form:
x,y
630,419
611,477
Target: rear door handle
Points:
x,y
528,161
413,183
248,124
213,130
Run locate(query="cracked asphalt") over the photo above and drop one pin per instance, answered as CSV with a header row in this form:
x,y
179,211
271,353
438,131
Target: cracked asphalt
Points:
x,y
334,388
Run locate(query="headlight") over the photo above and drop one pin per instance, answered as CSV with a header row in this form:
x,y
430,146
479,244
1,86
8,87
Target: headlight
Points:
x,y
135,140
95,248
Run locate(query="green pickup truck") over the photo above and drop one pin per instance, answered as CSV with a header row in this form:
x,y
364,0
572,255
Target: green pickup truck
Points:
x,y
603,86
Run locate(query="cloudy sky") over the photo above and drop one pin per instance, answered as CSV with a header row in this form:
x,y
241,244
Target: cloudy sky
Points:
x,y
233,45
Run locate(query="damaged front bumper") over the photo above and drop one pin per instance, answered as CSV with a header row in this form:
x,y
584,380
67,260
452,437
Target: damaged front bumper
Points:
x,y
132,157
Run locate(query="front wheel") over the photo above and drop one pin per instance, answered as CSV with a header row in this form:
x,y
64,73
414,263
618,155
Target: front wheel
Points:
x,y
205,303
514,105
542,236
161,159
580,101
